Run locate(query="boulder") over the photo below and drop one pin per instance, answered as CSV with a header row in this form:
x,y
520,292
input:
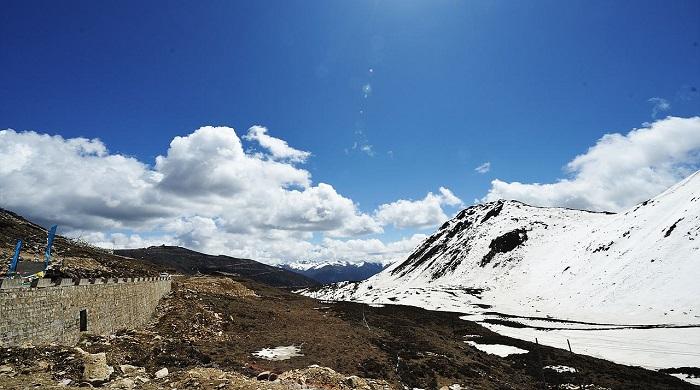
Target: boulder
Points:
x,y
96,368
162,373
355,382
129,370
123,383
265,375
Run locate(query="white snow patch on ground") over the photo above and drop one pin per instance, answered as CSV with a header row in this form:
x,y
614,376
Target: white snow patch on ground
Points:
x,y
279,353
497,349
650,348
560,368
689,379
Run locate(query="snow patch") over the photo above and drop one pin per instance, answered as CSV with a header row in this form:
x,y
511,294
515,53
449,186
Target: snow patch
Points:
x,y
279,353
497,349
690,379
560,369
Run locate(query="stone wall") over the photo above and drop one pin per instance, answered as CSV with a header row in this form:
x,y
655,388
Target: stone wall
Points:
x,y
50,311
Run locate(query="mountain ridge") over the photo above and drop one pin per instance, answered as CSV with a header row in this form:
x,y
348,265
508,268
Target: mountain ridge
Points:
x,y
187,261
335,271
641,263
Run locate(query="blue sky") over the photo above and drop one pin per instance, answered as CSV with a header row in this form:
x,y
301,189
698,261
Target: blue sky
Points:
x,y
526,86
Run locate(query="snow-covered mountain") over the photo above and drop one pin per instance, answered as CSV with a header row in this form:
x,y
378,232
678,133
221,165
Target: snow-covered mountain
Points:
x,y
642,265
334,271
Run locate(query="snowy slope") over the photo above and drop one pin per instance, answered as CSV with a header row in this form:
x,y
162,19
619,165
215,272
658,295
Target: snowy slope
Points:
x,y
640,266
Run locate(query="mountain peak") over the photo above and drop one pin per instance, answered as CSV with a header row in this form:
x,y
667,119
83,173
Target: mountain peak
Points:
x,y
563,261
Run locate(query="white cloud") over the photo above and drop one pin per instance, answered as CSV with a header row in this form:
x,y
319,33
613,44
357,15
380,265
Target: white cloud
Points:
x,y
619,170
119,240
278,148
373,249
367,149
362,147
206,193
366,90
483,168
659,105
422,213
76,181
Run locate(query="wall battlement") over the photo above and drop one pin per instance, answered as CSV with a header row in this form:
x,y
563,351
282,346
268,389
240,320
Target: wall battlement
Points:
x,y
60,310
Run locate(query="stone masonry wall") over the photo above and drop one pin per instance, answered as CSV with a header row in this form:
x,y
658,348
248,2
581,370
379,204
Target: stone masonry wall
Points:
x,y
49,312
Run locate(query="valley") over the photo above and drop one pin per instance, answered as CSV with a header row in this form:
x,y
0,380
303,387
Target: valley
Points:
x,y
618,286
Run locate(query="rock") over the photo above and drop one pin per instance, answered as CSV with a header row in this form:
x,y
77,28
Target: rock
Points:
x,y
142,379
96,368
6,370
162,373
64,382
130,370
124,383
355,382
263,376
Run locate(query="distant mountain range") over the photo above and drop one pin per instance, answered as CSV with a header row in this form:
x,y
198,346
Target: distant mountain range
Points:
x,y
334,271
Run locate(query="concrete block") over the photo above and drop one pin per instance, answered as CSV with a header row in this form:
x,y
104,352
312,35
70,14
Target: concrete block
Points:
x,y
42,283
12,283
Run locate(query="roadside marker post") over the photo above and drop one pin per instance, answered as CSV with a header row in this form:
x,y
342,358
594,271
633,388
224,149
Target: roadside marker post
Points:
x,y
49,242
15,258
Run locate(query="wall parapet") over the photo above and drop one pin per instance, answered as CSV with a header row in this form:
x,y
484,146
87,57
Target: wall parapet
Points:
x,y
6,284
58,311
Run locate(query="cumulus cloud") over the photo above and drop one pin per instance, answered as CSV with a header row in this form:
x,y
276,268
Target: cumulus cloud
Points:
x,y
118,240
373,250
278,148
619,170
422,213
206,192
659,105
76,181
483,168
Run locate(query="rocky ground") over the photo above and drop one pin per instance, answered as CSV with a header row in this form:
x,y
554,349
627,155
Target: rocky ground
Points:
x,y
206,332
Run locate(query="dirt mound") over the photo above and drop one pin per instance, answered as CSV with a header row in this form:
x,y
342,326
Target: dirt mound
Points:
x,y
217,286
313,377
325,378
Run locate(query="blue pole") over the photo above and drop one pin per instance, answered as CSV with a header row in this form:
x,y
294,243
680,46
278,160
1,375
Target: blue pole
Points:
x,y
49,242
15,257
